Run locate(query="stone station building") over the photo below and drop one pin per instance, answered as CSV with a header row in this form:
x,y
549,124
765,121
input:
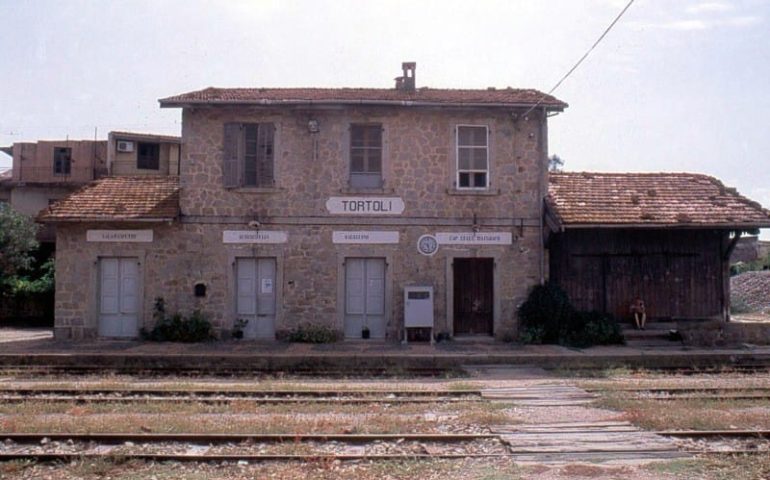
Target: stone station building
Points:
x,y
319,206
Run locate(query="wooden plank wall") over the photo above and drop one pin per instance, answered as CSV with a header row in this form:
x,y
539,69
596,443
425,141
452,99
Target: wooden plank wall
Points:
x,y
678,273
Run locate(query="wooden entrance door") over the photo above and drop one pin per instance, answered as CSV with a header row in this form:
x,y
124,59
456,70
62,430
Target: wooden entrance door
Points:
x,y
473,296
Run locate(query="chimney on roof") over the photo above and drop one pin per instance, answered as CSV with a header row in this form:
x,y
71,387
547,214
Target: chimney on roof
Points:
x,y
406,82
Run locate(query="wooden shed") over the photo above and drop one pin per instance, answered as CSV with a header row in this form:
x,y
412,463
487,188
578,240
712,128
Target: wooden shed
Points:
x,y
663,237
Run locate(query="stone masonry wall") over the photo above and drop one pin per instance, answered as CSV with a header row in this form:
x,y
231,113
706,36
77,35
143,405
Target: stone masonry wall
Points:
x,y
418,163
182,255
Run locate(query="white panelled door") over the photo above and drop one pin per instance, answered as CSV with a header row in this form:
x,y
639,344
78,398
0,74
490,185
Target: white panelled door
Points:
x,y
255,296
365,297
118,297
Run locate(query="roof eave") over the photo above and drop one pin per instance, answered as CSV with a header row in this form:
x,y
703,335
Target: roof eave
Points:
x,y
105,219
164,103
683,226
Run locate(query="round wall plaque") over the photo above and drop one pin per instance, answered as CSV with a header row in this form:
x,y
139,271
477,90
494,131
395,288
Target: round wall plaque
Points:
x,y
427,245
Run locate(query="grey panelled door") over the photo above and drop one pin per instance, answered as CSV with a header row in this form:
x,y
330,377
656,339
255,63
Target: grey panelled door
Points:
x,y
118,297
255,302
365,297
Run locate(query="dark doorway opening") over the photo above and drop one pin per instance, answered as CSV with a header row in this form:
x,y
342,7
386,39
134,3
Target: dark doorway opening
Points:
x,y
473,296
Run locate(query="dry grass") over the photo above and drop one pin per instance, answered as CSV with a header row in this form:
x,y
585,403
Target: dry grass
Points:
x,y
123,382
236,407
79,422
321,469
728,467
691,414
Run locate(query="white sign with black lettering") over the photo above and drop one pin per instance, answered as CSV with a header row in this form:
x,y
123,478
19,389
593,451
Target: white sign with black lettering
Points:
x,y
471,238
365,237
250,236
119,236
365,205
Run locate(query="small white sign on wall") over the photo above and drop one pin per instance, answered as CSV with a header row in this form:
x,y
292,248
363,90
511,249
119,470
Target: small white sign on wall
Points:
x,y
254,236
119,236
474,238
365,237
365,205
267,285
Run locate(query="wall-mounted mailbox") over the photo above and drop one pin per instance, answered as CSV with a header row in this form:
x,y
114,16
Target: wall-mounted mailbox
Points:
x,y
418,308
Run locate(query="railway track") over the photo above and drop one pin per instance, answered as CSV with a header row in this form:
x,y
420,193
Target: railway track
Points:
x,y
308,447
207,396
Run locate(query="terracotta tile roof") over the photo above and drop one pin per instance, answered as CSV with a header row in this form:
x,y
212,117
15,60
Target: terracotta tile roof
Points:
x,y
365,96
580,199
149,198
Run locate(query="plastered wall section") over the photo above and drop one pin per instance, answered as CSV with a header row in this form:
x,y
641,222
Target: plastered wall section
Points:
x,y
34,162
125,163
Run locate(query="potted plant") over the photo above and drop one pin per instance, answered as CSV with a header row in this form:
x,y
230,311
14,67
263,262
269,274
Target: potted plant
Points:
x,y
238,327
365,332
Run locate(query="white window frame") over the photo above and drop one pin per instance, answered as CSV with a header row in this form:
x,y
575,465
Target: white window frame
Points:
x,y
458,170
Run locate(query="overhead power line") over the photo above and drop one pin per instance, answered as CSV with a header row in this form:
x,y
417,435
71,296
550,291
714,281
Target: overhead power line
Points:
x,y
585,55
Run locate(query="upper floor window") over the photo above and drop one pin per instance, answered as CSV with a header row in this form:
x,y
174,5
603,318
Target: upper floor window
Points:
x,y
249,155
148,156
62,160
365,156
472,157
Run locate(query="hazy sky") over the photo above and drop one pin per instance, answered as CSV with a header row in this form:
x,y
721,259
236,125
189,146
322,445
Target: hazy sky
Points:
x,y
678,85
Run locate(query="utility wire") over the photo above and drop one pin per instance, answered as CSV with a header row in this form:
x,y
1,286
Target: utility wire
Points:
x,y
585,55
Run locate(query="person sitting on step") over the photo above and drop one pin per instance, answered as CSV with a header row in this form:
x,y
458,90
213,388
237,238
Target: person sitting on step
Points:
x,y
640,313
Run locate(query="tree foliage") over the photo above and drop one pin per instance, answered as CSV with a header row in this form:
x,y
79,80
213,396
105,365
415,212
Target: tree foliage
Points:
x,y
555,163
17,243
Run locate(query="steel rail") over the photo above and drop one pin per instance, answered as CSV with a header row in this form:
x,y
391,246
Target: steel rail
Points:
x,y
115,438
227,400
231,392
320,457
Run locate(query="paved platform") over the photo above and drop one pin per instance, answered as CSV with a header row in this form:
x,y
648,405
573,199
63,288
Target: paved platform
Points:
x,y
352,355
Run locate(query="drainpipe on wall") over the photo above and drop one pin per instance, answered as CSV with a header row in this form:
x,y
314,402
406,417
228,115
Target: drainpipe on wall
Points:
x,y
542,185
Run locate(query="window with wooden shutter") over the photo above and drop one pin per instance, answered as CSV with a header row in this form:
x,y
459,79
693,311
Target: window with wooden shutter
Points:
x,y
249,155
230,165
365,156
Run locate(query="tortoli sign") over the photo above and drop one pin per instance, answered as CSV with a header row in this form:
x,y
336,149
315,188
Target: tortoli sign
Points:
x,y
365,205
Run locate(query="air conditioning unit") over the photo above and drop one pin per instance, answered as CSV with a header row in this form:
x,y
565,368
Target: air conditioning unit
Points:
x,y
125,146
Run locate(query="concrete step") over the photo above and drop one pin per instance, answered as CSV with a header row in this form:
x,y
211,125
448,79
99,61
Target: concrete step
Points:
x,y
651,326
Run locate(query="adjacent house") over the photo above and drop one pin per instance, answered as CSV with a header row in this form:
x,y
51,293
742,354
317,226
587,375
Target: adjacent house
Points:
x,y
46,171
341,207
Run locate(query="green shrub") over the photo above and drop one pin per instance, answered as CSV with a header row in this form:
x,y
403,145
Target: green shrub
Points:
x,y
547,316
592,328
310,333
548,308
177,328
532,334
